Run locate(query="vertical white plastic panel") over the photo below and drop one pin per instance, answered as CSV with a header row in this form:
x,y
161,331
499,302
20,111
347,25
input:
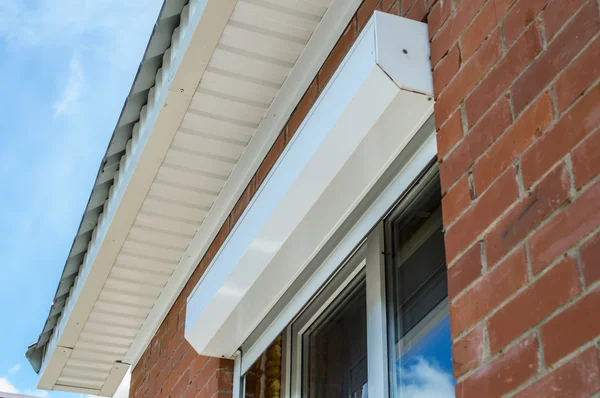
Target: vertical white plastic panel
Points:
x,y
376,315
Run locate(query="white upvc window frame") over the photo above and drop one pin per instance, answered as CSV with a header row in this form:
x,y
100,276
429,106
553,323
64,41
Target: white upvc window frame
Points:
x,y
360,250
366,263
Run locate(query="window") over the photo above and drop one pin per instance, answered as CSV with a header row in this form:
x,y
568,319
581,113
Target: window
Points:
x,y
420,344
329,338
336,349
384,308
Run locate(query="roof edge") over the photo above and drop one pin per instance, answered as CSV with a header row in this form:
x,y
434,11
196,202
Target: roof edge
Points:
x,y
124,138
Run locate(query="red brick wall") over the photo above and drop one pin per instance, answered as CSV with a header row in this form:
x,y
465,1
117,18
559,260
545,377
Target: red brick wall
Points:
x,y
517,111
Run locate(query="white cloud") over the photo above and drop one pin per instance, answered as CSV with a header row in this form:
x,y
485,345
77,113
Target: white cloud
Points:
x,y
14,369
109,28
37,393
424,380
6,386
73,88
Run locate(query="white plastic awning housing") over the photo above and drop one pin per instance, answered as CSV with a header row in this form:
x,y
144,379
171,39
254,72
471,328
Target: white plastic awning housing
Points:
x,y
374,104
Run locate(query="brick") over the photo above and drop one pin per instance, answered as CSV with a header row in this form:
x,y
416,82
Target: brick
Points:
x,y
571,328
464,271
469,75
418,11
590,253
488,18
221,394
578,76
573,126
503,74
438,15
157,368
405,5
222,380
450,32
198,364
449,134
173,345
456,200
364,12
180,352
565,229
578,378
387,4
219,239
204,376
518,19
337,55
475,143
164,374
304,106
446,70
181,385
142,387
270,160
489,292
528,127
557,13
243,202
586,160
522,219
559,285
467,352
555,58
503,374
481,214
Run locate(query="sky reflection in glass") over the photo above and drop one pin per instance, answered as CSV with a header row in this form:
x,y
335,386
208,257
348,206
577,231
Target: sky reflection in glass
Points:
x,y
425,369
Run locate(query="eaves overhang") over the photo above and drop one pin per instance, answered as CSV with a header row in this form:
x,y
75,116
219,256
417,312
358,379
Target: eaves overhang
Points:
x,y
136,102
228,79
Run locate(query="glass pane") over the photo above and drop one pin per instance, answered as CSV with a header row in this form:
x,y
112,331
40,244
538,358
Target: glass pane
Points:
x,y
336,350
421,346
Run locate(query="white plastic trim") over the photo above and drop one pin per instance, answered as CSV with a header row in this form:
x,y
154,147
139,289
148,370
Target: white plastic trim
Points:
x,y
322,41
133,179
410,168
202,22
359,125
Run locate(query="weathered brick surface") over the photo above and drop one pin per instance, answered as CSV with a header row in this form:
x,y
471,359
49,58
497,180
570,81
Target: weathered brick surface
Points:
x,y
517,111
523,250
579,378
553,289
467,352
503,373
489,292
465,271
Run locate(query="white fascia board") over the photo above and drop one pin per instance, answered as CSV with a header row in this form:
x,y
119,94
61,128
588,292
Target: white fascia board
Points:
x,y
168,101
318,48
346,142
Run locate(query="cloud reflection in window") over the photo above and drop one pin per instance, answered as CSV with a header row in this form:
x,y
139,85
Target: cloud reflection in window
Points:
x,y
421,378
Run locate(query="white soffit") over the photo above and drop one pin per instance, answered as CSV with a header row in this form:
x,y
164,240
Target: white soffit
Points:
x,y
246,64
375,103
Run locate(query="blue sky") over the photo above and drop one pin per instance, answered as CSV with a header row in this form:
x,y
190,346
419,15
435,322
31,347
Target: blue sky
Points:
x,y
66,67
